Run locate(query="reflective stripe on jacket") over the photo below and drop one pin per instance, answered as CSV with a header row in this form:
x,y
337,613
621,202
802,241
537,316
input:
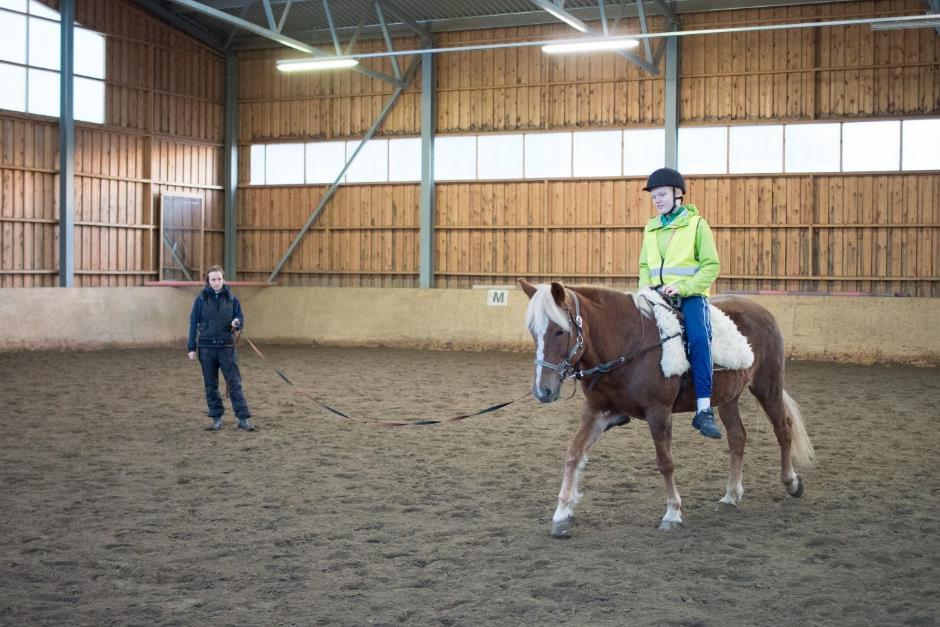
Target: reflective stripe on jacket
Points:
x,y
682,254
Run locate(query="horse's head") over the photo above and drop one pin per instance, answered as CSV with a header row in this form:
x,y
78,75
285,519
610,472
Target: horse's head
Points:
x,y
555,324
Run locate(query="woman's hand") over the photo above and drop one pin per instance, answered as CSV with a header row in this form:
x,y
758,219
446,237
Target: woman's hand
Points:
x,y
191,355
670,290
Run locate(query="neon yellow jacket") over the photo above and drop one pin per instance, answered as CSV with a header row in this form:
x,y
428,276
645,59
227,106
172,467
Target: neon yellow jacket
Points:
x,y
682,253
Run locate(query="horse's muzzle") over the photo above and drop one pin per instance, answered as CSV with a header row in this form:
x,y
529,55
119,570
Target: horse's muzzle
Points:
x,y
546,394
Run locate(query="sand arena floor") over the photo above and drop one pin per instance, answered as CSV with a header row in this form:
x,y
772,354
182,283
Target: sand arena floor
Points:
x,y
117,508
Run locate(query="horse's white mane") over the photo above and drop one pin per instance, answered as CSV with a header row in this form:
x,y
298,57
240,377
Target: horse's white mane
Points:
x,y
542,309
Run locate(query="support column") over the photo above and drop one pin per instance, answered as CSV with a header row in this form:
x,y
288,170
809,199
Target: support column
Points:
x,y
230,166
428,124
671,98
66,144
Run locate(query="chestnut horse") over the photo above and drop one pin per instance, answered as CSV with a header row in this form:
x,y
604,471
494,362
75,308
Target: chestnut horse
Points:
x,y
581,332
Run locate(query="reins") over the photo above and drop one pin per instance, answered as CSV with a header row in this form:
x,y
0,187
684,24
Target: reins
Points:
x,y
567,369
386,423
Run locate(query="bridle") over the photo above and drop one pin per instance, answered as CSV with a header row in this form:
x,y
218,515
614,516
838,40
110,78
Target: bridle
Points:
x,y
567,368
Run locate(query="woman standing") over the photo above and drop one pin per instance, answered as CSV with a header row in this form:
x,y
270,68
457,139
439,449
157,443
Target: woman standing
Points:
x,y
213,322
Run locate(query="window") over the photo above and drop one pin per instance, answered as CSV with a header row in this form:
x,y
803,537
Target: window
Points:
x,y
404,159
13,42
871,146
258,159
547,155
13,95
284,164
455,158
500,156
755,149
812,147
703,150
29,63
325,160
371,164
597,153
921,145
644,150
744,149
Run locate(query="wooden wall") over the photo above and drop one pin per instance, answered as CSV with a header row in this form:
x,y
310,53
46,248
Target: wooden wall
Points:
x,y
816,233
872,233
162,132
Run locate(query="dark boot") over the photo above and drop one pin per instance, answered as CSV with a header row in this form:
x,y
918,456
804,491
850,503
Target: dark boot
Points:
x,y
704,421
216,424
245,423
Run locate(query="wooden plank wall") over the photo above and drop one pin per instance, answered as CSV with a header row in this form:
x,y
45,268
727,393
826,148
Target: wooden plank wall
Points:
x,y
872,233
162,132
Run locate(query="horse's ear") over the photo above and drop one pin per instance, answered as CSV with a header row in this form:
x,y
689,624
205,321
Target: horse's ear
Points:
x,y
558,293
527,287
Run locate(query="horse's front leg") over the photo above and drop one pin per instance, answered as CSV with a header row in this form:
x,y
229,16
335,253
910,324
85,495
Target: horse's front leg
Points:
x,y
660,422
592,427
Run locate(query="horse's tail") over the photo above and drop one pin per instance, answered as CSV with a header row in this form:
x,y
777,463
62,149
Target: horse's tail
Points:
x,y
801,448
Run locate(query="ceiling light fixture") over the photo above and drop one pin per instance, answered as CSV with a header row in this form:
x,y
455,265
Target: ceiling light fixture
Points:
x,y
591,46
312,65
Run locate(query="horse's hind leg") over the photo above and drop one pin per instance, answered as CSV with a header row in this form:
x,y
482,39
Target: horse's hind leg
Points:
x,y
592,427
787,421
737,437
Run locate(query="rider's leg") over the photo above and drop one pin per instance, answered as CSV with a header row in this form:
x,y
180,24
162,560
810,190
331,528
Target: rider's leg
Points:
x,y
698,331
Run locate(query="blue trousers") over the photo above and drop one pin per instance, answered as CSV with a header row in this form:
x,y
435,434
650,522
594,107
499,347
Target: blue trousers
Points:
x,y
698,331
224,358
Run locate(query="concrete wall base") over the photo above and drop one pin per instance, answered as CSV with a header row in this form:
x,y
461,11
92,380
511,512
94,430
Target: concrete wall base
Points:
x,y
852,329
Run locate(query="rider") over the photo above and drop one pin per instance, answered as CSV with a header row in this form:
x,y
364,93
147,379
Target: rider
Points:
x,y
679,258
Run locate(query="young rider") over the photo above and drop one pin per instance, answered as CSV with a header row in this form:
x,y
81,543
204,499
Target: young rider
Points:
x,y
679,258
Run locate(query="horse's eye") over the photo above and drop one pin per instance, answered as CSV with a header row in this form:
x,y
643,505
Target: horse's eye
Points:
x,y
557,333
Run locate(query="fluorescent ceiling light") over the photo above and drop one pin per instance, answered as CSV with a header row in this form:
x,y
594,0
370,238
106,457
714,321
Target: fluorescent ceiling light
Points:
x,y
562,15
591,46
310,65
906,24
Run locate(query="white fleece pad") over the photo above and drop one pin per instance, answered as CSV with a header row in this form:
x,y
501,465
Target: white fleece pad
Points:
x,y
730,348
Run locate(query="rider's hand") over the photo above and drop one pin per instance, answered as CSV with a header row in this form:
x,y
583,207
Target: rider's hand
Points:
x,y
670,290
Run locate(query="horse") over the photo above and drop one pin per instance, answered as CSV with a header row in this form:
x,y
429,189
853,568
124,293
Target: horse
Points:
x,y
610,341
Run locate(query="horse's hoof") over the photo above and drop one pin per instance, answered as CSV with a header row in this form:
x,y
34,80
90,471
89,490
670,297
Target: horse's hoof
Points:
x,y
562,528
799,489
669,525
726,507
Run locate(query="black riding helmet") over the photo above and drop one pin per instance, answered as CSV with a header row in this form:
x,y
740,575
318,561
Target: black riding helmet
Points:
x,y
665,177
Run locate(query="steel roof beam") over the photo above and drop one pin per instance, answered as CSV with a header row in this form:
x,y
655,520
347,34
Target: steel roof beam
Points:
x,y
315,214
280,24
280,38
358,31
189,28
269,13
329,20
408,20
388,40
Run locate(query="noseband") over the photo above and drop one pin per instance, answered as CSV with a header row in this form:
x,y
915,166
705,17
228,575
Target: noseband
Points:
x,y
566,368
